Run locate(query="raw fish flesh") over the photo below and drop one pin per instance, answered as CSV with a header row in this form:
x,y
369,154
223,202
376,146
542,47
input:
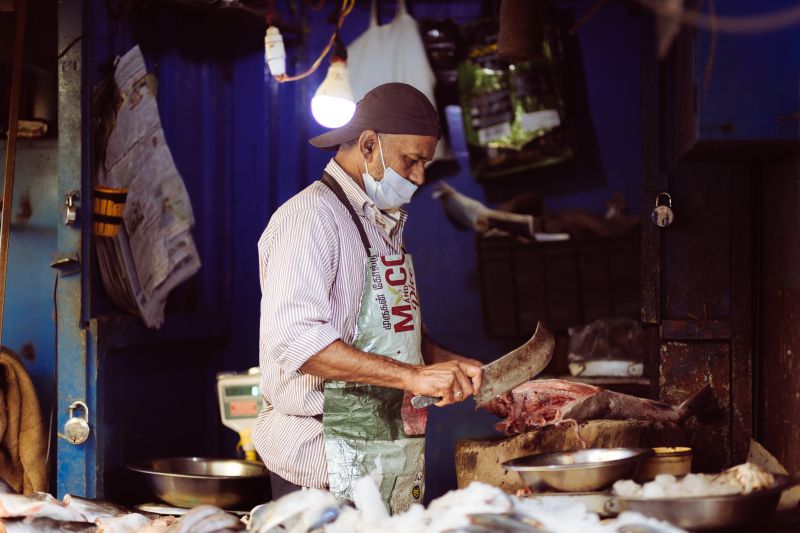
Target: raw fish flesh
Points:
x,y
549,401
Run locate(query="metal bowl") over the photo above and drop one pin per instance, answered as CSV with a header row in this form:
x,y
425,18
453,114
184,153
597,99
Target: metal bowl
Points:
x,y
578,470
711,512
676,461
191,481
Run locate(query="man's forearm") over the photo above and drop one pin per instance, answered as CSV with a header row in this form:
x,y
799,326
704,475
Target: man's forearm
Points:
x,y
452,381
344,363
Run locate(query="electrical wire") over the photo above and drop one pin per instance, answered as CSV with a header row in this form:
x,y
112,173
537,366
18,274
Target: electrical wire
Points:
x,y
587,16
347,7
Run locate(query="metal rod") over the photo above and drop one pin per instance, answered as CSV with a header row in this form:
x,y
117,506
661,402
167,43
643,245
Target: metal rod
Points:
x,y
11,153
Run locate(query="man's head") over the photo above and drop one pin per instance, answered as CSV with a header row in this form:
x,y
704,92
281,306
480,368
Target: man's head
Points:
x,y
406,154
395,121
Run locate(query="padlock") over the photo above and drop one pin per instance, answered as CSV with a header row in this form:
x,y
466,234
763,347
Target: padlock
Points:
x,y
662,215
77,428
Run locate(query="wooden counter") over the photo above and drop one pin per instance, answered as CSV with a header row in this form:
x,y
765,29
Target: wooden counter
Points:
x,y
480,459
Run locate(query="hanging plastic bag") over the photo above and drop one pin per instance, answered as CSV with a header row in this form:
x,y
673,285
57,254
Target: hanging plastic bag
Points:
x,y
393,53
366,59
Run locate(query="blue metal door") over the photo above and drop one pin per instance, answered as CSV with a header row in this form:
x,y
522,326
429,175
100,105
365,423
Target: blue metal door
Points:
x,y
77,373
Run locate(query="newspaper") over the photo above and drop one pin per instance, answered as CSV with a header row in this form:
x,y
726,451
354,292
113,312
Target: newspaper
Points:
x,y
154,251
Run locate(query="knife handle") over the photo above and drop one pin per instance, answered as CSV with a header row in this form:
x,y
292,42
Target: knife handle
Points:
x,y
420,402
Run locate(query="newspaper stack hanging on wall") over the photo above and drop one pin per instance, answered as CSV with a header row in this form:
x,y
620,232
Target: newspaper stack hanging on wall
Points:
x,y
154,251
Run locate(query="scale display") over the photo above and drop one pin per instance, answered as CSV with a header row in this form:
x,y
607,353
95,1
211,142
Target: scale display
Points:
x,y
239,397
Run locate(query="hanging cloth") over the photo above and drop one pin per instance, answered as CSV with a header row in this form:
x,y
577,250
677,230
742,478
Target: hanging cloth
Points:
x,y
23,437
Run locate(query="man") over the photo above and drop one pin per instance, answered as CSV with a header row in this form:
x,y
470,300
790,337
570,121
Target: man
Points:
x,y
342,348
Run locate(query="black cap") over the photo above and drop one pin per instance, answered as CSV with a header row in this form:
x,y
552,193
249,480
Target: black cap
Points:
x,y
396,108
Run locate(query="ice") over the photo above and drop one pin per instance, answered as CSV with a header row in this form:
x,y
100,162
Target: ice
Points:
x,y
741,479
628,488
451,513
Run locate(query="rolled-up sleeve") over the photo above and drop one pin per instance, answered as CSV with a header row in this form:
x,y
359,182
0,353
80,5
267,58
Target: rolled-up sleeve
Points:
x,y
297,258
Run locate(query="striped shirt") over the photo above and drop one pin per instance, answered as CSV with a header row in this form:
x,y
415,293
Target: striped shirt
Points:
x,y
311,264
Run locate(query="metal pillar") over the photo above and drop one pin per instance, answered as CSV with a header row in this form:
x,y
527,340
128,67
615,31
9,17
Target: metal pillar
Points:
x,y
77,374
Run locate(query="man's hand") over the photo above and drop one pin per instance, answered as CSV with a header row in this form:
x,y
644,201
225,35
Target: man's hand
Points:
x,y
453,381
477,380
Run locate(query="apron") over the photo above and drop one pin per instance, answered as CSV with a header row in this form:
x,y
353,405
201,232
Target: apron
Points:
x,y
370,430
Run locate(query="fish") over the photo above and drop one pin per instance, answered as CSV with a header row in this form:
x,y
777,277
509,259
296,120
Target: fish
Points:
x,y
299,512
38,505
467,213
543,402
44,525
218,522
158,525
40,511
206,519
94,509
42,496
127,523
506,523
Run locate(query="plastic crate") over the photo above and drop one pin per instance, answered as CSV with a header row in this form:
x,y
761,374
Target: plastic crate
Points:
x,y
563,284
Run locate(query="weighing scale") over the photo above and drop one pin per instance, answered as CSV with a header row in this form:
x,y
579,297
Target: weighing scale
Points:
x,y
239,405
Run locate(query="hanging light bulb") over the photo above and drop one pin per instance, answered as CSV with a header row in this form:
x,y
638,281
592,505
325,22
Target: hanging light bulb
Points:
x,y
332,105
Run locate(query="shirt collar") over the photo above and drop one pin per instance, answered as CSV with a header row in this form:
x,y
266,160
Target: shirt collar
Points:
x,y
362,203
355,195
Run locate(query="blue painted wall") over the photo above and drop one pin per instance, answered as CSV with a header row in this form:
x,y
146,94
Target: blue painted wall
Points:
x,y
28,324
755,85
240,142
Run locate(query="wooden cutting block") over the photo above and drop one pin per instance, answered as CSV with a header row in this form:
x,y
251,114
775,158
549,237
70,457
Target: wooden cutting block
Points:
x,y
480,459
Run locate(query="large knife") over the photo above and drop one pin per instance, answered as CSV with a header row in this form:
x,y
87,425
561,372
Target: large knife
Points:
x,y
514,368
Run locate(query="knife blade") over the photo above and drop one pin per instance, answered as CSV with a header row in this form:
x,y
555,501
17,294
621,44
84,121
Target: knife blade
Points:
x,y
512,369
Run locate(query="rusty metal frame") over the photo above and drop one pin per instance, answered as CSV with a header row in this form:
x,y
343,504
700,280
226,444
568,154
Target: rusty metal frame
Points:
x,y
11,150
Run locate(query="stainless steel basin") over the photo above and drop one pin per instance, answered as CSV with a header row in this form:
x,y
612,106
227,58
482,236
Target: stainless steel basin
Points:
x,y
712,512
191,481
578,470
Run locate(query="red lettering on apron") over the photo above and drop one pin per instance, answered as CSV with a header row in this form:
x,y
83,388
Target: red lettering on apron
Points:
x,y
407,321
394,282
393,262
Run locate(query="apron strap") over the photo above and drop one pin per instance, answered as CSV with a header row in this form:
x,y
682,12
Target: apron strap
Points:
x,y
337,190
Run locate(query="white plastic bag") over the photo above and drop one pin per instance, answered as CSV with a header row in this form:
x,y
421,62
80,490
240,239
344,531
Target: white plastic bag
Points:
x,y
393,53
366,59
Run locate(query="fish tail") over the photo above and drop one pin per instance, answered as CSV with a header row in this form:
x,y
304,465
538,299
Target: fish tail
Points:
x,y
702,404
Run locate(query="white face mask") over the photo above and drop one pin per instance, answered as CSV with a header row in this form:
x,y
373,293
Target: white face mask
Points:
x,y
392,191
